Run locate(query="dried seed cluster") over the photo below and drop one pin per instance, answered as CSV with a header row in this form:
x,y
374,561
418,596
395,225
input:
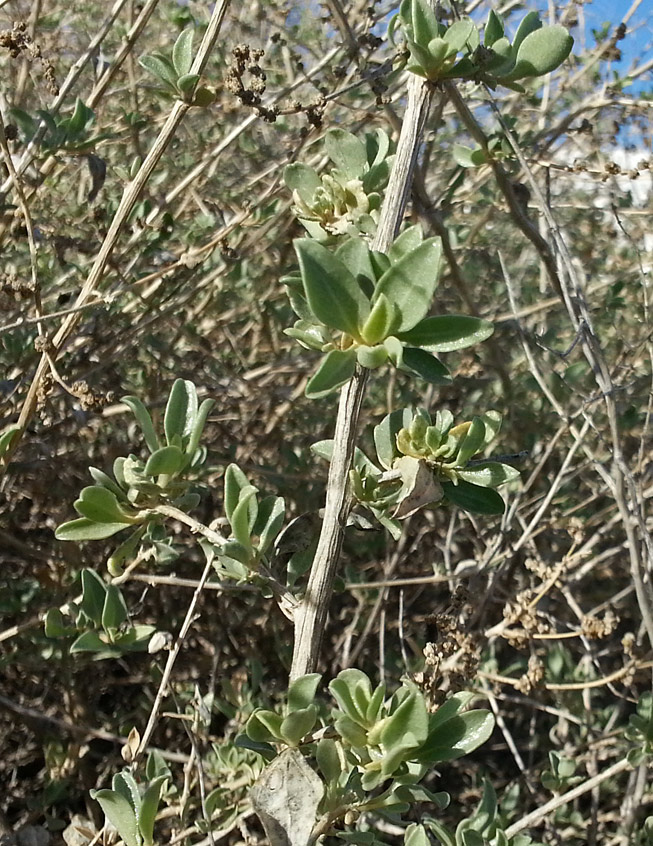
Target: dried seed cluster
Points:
x,y
19,42
436,678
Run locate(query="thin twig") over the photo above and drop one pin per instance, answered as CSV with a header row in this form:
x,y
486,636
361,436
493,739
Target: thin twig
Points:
x,y
539,814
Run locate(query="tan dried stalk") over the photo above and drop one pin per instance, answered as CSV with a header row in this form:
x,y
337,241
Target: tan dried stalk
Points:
x,y
311,616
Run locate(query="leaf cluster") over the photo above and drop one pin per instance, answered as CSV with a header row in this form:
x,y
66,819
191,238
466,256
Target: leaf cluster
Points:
x,y
370,741
360,306
137,487
439,52
344,201
100,620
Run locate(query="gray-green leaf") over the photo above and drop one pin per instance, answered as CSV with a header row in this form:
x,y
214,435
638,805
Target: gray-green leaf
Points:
x,y
410,283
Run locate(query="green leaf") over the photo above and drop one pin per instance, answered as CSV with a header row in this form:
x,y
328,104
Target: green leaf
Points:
x,y
349,688
472,442
263,726
324,449
125,550
493,29
298,724
541,52
447,333
457,736
422,21
149,807
371,357
243,517
381,321
415,835
332,292
407,727
187,82
459,34
160,67
445,837
462,155
144,421
101,478
120,814
425,365
93,595
335,369
301,691
346,152
181,410
125,785
492,420
182,52
135,639
405,243
328,759
85,529
54,624
115,611
80,118
167,461
271,514
302,179
375,704
89,642
198,427
490,474
234,481
377,146
473,498
385,435
351,732
530,23
358,259
7,437
410,283
377,176
101,506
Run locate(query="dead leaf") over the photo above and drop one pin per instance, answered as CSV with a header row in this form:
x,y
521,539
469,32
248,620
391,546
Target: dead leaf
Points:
x,y
286,797
419,486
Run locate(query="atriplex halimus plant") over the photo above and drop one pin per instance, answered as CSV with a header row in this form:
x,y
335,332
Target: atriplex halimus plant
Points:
x,y
363,294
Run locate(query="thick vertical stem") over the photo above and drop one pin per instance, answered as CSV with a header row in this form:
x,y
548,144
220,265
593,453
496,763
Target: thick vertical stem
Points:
x,y
311,616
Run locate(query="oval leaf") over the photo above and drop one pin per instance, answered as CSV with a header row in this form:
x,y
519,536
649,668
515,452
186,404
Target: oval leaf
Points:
x,y
410,283
144,420
182,52
167,460
474,498
120,814
541,52
181,410
115,611
425,365
101,506
85,529
298,724
457,737
448,332
489,475
332,292
149,807
301,692
346,152
302,179
335,369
